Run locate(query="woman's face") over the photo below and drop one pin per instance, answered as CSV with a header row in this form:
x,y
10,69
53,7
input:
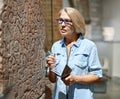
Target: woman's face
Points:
x,y
65,24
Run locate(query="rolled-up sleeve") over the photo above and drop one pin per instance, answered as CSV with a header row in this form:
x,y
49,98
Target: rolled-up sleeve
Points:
x,y
94,64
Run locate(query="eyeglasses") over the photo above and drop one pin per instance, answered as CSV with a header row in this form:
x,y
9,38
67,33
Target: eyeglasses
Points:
x,y
66,21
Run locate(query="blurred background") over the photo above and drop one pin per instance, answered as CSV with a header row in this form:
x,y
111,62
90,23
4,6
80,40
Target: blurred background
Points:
x,y
102,19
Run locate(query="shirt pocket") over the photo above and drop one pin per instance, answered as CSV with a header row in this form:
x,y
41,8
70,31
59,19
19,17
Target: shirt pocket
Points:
x,y
80,68
82,56
81,64
57,58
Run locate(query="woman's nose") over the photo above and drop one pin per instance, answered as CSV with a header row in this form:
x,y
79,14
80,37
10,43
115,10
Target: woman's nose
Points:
x,y
63,23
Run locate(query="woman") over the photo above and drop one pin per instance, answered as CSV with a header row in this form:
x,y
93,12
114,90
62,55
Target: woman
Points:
x,y
78,53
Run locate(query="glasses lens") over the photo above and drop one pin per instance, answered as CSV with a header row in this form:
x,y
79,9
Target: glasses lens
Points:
x,y
66,21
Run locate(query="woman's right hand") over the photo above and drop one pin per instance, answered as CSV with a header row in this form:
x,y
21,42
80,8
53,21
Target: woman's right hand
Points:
x,y
51,61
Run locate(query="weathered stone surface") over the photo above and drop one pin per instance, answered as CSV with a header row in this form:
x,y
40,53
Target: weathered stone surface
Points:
x,y
22,49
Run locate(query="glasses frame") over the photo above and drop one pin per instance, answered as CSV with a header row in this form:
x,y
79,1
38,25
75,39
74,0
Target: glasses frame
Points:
x,y
66,21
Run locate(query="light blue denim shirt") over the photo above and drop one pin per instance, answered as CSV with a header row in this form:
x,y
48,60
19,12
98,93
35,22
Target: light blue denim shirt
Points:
x,y
83,60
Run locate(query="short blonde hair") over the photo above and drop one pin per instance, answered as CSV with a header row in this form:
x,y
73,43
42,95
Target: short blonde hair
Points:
x,y
77,19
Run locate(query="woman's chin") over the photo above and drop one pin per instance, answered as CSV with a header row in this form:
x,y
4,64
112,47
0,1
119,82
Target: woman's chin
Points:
x,y
63,33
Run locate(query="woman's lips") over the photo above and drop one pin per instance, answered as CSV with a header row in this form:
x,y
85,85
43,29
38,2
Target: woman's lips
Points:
x,y
63,30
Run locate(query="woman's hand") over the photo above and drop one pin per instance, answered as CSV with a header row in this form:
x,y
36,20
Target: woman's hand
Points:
x,y
51,61
69,80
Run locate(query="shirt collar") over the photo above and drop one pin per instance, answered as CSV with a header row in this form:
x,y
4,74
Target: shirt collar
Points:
x,y
77,43
62,42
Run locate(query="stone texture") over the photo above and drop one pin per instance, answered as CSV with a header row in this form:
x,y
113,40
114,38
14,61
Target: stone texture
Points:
x,y
1,65
57,5
47,9
22,49
23,27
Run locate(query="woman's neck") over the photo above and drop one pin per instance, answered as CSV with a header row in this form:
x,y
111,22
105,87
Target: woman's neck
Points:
x,y
71,40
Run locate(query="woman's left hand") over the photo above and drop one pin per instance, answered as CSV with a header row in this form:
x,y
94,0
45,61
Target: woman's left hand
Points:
x,y
69,80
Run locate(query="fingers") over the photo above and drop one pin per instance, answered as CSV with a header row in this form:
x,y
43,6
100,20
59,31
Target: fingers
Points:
x,y
50,60
69,80
68,83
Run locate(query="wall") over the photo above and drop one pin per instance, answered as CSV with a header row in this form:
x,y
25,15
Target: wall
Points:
x,y
56,6
116,60
111,16
47,12
109,55
105,51
22,49
1,66
96,17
